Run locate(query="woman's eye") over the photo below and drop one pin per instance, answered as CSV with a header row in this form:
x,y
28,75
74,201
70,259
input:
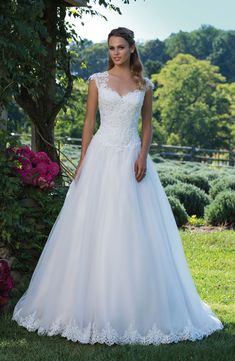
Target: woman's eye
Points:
x,y
120,47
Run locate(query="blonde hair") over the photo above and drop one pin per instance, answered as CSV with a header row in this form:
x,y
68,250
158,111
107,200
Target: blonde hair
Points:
x,y
136,65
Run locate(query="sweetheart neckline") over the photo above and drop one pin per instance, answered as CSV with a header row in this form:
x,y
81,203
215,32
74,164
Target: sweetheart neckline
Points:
x,y
115,91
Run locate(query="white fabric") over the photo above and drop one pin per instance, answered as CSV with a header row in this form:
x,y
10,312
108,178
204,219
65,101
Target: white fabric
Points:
x,y
113,269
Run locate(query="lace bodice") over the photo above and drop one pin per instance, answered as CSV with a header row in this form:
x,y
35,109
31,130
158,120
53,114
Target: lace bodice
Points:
x,y
119,114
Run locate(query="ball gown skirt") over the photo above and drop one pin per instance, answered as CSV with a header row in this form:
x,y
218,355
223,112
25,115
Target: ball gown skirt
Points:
x,y
113,269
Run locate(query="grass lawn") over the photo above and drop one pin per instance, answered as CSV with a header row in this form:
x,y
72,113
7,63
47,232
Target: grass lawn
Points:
x,y
211,260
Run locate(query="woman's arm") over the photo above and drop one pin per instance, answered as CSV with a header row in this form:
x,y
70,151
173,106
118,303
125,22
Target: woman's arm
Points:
x,y
90,119
147,130
146,136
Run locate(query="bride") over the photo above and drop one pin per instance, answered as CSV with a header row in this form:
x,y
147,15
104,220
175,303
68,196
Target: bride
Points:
x,y
113,269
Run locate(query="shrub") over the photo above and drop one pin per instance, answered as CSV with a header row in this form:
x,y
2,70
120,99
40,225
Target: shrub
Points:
x,y
193,198
167,179
198,180
221,184
222,209
27,213
179,211
6,281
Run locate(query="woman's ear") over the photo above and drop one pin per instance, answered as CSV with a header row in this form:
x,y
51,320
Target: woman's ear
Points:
x,y
132,49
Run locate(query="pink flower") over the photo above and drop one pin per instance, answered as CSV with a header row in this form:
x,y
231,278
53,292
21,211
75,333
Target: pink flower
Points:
x,y
52,183
24,151
49,177
53,168
40,156
35,168
25,163
42,168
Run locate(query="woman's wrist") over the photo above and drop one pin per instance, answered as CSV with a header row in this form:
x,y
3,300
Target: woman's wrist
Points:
x,y
143,155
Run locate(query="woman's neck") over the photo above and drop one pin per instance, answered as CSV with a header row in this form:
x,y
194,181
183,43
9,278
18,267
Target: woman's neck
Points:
x,y
120,71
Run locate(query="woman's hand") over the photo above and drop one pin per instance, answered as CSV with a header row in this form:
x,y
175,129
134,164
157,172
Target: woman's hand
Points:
x,y
140,168
78,168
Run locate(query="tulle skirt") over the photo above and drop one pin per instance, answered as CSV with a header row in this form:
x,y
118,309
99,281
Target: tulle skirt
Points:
x,y
113,269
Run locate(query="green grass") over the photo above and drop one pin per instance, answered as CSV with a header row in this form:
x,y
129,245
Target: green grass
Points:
x,y
210,257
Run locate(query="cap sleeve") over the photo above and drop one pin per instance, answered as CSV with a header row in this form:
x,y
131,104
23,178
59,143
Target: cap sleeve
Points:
x,y
93,76
148,83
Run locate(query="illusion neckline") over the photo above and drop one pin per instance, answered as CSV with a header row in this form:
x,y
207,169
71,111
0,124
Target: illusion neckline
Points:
x,y
115,91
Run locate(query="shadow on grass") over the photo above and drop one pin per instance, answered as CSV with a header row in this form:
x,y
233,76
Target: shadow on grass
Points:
x,y
18,344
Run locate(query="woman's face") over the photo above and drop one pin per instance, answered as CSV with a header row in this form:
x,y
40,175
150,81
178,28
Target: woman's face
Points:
x,y
119,50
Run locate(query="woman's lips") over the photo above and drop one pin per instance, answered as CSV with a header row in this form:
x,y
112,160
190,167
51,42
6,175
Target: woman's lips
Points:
x,y
117,58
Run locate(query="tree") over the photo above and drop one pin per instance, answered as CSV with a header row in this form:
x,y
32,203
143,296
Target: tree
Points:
x,y
91,56
192,104
35,64
223,54
208,43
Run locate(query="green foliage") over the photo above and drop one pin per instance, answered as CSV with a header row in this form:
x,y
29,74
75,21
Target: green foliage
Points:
x,y
35,66
25,60
21,47
220,184
197,222
178,210
198,180
90,58
208,43
70,121
27,213
167,179
193,107
193,198
222,209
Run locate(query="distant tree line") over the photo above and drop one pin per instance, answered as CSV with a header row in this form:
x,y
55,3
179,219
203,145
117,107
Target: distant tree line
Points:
x,y
205,43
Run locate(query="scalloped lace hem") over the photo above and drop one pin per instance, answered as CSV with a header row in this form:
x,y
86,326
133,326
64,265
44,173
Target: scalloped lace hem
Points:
x,y
108,335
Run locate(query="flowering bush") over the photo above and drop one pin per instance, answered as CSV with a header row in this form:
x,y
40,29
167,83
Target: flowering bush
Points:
x,y
6,281
35,168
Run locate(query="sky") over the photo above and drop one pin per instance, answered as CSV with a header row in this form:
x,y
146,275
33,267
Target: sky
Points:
x,y
151,19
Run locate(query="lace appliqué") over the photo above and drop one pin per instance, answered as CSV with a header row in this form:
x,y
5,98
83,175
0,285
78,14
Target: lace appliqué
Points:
x,y
108,335
119,114
101,79
149,83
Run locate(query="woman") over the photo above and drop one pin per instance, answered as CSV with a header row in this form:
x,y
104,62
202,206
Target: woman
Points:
x,y
113,269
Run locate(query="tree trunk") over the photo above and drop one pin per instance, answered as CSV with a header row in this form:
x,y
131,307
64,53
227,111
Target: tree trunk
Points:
x,y
3,117
43,140
44,107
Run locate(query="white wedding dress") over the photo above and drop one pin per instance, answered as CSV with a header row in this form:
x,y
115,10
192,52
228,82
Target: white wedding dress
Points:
x,y
113,269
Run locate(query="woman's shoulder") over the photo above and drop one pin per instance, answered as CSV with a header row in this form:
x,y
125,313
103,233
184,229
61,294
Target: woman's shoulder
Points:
x,y
97,75
148,83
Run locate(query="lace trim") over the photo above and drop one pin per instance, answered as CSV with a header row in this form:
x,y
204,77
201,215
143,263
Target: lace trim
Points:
x,y
102,78
108,335
149,83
